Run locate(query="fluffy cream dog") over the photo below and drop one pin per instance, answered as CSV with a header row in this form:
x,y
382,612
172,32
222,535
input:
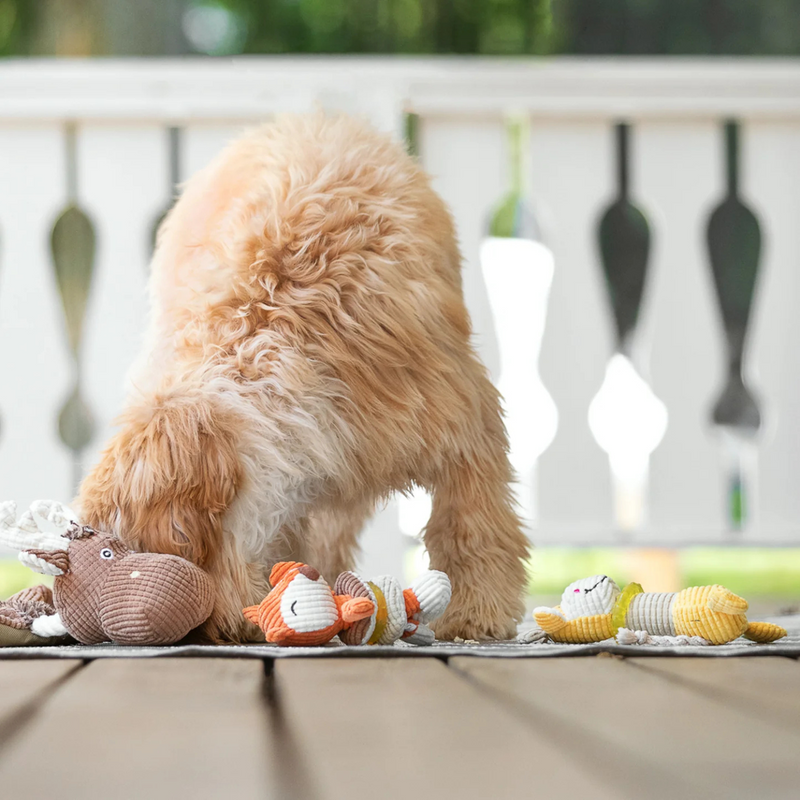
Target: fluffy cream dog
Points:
x,y
309,354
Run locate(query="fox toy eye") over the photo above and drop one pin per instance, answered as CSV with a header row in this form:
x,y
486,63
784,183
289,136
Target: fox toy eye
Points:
x,y
292,608
106,553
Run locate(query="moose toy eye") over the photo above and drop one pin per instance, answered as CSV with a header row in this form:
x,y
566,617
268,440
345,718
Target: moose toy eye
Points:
x,y
106,553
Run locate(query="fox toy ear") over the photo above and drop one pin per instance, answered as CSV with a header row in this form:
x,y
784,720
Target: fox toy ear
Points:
x,y
355,608
281,570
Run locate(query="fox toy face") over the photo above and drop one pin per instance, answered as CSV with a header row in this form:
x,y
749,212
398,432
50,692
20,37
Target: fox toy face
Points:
x,y
302,609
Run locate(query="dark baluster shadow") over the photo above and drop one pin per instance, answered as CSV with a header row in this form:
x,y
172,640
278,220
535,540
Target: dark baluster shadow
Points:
x,y
624,236
174,162
734,248
627,419
72,243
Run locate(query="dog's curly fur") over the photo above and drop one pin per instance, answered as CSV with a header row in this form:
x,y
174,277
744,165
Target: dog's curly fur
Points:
x,y
309,353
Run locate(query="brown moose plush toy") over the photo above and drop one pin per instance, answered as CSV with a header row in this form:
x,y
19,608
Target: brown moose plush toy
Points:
x,y
102,590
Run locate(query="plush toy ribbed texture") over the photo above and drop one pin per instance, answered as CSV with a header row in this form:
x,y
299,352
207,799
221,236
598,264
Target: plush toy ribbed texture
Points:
x,y
102,591
594,609
302,609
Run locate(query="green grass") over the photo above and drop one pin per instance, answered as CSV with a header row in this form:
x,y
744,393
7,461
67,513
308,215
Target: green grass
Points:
x,y
747,571
15,577
751,572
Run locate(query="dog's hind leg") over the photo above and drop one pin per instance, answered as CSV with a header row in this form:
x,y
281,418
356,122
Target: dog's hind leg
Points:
x,y
474,533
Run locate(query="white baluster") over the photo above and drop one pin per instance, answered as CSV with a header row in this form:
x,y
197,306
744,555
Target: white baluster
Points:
x,y
770,161
465,160
34,358
571,170
124,183
201,143
679,170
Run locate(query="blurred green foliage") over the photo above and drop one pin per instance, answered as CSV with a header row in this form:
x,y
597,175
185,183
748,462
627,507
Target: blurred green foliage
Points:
x,y
17,24
395,26
14,577
489,27
748,571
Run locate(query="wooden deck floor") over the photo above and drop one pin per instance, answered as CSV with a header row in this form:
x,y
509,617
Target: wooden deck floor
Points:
x,y
596,727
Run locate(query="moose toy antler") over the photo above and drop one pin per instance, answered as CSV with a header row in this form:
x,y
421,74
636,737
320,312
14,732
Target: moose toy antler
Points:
x,y
102,591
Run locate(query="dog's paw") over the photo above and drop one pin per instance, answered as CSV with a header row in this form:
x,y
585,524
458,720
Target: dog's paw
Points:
x,y
449,628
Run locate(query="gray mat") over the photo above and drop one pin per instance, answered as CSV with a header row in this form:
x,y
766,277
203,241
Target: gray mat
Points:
x,y
790,646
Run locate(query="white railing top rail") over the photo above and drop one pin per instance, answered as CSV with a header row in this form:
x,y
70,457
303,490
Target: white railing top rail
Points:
x,y
249,87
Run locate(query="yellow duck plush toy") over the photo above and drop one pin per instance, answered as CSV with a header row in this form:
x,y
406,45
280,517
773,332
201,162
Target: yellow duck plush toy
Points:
x,y
594,609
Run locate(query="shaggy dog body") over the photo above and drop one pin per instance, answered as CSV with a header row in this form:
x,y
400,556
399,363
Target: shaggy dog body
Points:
x,y
309,355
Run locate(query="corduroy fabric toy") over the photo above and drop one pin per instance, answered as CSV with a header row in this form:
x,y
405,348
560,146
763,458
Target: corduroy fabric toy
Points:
x,y
102,590
594,609
302,609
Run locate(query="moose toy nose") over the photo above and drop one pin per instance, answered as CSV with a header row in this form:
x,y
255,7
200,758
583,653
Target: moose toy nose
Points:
x,y
133,612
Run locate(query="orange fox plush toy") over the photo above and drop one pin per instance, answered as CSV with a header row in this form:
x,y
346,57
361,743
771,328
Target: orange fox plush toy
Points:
x,y
302,609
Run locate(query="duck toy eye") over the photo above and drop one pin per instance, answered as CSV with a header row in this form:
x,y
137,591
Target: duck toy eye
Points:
x,y
106,553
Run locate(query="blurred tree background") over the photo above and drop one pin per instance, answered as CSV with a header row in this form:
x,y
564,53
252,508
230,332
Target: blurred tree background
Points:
x,y
489,27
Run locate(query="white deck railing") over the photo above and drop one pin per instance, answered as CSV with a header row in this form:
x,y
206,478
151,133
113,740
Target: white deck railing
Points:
x,y
121,111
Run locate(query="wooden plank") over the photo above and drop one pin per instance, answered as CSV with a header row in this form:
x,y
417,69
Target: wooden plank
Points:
x,y
413,727
24,686
767,688
642,733
159,728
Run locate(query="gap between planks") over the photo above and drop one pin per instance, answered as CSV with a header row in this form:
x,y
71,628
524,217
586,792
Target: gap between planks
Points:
x,y
644,733
25,687
400,728
764,688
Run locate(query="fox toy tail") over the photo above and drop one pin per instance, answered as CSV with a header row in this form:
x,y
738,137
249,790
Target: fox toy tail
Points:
x,y
764,632
251,613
